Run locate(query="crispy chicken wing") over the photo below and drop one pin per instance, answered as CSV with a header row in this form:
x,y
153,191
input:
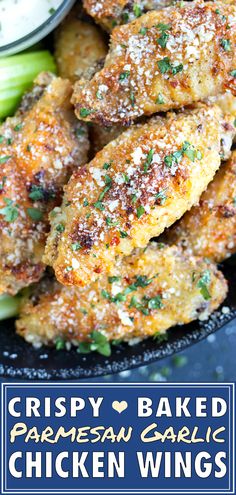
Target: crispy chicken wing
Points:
x,y
151,290
226,101
133,189
39,149
161,61
110,13
209,229
80,48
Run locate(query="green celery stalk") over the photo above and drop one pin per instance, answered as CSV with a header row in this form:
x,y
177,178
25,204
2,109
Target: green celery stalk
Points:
x,y
17,74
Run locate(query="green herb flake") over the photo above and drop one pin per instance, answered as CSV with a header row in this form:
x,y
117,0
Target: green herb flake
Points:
x,y
140,211
160,99
59,344
18,127
226,45
162,40
84,112
10,211
137,10
143,31
60,227
99,206
36,193
132,98
99,95
52,11
76,246
123,234
161,196
113,279
106,165
85,203
124,75
203,284
148,160
233,73
164,65
35,214
4,159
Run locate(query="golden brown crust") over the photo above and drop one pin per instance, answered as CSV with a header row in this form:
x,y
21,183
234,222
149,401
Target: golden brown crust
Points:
x,y
151,291
209,229
110,13
39,149
161,61
80,48
134,188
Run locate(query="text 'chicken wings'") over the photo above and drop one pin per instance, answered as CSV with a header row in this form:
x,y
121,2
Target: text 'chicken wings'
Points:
x,y
152,290
133,189
209,229
39,149
162,60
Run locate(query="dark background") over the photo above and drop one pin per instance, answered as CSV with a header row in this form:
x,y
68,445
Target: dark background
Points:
x,y
211,360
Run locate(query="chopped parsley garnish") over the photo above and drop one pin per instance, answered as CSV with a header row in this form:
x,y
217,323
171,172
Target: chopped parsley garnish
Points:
x,y
143,31
140,281
111,222
226,45
160,99
187,150
123,234
234,201
52,11
36,193
165,66
35,214
18,127
148,160
203,284
162,40
1,138
111,280
59,344
10,211
146,304
124,75
137,10
233,73
160,337
235,122
161,196
84,112
134,198
85,203
99,343
60,227
4,159
99,206
76,246
140,211
107,165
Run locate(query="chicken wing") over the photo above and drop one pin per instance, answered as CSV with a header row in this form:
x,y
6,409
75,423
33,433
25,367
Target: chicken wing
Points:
x,y
80,48
226,101
39,149
110,13
162,61
136,186
209,229
150,291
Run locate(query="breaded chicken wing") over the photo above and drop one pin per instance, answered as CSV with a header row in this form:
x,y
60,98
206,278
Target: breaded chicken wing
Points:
x,y
226,101
80,48
39,149
133,189
110,13
162,61
209,229
151,290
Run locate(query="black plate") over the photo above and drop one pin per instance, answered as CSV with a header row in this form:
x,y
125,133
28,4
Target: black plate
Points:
x,y
20,360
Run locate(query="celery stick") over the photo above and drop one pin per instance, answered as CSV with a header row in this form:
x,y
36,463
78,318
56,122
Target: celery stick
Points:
x,y
9,306
17,74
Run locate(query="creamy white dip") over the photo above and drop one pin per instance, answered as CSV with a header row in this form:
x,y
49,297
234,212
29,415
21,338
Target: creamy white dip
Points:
x,y
20,17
